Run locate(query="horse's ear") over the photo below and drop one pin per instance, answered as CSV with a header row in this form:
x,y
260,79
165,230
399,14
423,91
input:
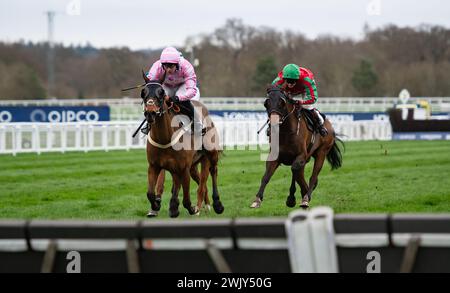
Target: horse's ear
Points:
x,y
145,77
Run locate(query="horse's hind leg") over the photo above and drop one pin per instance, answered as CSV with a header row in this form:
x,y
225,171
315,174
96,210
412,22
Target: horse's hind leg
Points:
x,y
203,192
298,169
318,163
174,202
152,178
217,205
194,174
201,179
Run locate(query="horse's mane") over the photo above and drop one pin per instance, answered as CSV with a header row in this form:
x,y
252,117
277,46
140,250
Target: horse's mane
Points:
x,y
273,87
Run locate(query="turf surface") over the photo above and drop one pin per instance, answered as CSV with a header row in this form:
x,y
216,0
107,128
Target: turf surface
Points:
x,y
393,176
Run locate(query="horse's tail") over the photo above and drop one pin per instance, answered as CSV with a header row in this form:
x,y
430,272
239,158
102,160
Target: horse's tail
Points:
x,y
334,156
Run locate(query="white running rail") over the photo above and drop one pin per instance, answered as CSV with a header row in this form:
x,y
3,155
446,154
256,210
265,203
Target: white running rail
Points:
x,y
117,135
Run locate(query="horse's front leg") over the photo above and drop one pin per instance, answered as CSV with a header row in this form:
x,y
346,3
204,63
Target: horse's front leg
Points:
x,y
156,200
271,166
160,184
290,201
174,202
152,176
185,182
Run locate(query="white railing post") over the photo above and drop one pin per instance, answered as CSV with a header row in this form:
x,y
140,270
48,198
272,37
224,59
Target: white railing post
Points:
x,y
35,139
63,131
117,136
104,137
77,136
2,139
128,138
90,137
18,145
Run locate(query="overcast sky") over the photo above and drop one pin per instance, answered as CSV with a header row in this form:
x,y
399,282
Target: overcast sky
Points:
x,y
141,24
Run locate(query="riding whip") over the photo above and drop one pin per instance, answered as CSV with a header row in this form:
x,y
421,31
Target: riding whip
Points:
x,y
264,126
139,128
133,87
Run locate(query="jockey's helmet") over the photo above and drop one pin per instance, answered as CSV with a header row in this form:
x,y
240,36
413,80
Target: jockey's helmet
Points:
x,y
170,55
291,71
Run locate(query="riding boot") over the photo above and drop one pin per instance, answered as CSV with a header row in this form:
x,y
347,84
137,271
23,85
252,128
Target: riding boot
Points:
x,y
322,130
198,125
189,110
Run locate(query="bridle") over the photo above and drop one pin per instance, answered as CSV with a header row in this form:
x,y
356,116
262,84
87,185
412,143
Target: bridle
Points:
x,y
149,102
286,100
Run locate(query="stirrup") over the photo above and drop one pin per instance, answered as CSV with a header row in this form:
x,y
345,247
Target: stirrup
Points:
x,y
203,129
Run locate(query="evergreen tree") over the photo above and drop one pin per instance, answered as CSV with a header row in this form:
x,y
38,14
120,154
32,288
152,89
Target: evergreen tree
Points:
x,y
264,74
365,79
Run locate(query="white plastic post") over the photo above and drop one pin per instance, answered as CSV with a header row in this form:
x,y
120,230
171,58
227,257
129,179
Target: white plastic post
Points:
x,y
311,243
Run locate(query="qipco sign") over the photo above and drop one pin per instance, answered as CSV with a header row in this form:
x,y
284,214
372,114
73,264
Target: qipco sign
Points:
x,y
54,114
72,116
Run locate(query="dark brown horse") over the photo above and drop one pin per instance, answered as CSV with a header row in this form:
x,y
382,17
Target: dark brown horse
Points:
x,y
165,151
292,144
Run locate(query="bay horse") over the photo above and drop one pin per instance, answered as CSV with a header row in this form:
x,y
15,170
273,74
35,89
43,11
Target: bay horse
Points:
x,y
296,145
181,163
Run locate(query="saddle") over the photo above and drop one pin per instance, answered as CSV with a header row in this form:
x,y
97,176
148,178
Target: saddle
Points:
x,y
310,120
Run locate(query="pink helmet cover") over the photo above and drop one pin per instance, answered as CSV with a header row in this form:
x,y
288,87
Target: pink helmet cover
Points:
x,y
170,55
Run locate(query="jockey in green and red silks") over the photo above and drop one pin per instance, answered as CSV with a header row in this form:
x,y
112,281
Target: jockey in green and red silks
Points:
x,y
299,81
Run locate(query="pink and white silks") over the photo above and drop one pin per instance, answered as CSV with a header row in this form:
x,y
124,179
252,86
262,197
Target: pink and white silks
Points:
x,y
182,83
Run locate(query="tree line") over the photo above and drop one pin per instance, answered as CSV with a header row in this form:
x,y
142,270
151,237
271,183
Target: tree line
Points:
x,y
241,60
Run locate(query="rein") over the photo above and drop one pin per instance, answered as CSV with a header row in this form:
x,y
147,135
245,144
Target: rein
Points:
x,y
287,115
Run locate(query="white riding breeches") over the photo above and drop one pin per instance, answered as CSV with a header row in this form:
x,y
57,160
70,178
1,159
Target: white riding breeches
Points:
x,y
179,91
311,107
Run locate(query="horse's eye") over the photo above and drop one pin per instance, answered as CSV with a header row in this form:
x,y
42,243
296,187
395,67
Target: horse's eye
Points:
x,y
266,103
144,93
160,92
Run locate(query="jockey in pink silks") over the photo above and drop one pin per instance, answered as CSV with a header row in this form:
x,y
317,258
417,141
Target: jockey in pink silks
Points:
x,y
178,78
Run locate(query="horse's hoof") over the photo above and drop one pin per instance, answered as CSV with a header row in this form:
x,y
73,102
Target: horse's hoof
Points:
x,y
192,210
152,214
218,207
256,203
174,214
207,208
157,203
304,204
290,202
